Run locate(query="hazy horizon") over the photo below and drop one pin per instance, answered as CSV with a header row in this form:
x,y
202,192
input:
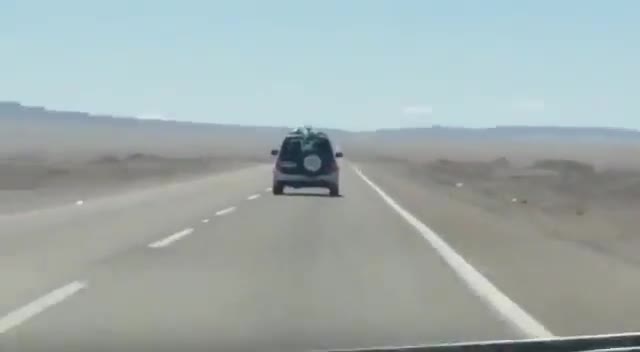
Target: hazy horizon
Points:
x,y
26,107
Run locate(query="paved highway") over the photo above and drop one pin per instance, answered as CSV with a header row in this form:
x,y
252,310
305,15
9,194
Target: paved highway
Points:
x,y
222,264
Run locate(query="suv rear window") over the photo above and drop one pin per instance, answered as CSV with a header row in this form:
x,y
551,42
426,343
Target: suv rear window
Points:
x,y
293,148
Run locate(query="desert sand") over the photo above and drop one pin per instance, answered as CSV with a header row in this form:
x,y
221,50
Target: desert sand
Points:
x,y
584,193
51,175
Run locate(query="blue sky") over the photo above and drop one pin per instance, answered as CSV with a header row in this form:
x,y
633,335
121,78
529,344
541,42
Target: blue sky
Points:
x,y
357,64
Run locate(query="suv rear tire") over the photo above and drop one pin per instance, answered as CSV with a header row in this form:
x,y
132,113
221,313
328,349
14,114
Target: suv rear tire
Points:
x,y
278,188
334,191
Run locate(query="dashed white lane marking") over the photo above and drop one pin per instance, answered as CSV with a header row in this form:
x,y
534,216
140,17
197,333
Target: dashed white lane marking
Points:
x,y
80,202
204,221
481,286
225,211
21,315
253,196
268,189
167,241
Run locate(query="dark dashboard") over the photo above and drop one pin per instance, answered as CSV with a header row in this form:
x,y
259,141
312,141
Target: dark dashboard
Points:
x,y
611,343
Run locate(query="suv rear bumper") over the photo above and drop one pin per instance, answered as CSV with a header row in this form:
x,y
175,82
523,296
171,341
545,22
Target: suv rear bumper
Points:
x,y
306,181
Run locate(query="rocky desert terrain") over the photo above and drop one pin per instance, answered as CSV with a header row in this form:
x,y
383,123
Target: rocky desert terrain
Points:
x,y
583,193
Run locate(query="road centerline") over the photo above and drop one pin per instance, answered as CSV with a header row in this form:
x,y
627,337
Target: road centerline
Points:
x,y
168,240
225,211
21,315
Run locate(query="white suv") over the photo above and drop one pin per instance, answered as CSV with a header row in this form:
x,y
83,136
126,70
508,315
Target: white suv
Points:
x,y
306,159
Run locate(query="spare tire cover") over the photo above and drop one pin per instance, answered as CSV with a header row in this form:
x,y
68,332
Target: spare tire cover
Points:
x,y
312,163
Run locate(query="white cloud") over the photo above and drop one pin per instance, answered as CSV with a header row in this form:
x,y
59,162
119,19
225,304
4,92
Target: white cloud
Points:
x,y
530,105
152,116
418,110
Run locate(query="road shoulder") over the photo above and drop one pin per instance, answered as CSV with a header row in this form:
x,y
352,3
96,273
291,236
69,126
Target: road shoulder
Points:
x,y
570,289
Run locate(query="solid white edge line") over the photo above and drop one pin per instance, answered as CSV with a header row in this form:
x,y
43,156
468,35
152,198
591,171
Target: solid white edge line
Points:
x,y
225,211
253,196
21,315
168,240
479,284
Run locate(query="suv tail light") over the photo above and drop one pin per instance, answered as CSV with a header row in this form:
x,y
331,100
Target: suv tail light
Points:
x,y
333,167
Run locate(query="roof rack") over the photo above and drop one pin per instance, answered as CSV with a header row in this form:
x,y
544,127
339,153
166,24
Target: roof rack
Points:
x,y
306,131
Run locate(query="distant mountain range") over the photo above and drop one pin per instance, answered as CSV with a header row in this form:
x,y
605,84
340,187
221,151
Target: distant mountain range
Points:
x,y
514,132
13,114
16,112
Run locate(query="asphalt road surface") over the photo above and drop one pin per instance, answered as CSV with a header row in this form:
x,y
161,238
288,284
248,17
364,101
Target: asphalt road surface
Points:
x,y
221,264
